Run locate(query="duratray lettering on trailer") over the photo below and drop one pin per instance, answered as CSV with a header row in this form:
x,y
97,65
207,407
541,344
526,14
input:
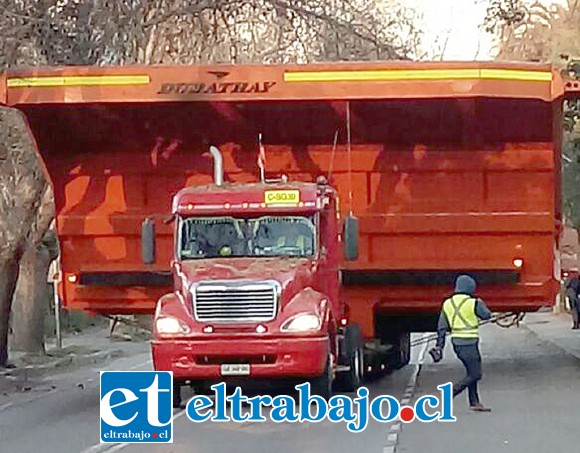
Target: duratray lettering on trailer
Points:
x,y
220,86
136,406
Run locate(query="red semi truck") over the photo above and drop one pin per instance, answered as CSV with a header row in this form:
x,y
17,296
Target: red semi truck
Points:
x,y
256,287
448,167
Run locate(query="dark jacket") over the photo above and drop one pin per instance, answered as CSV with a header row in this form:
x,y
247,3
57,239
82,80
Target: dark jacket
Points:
x,y
464,285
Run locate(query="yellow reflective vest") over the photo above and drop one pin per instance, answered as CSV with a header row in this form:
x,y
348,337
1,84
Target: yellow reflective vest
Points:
x,y
460,313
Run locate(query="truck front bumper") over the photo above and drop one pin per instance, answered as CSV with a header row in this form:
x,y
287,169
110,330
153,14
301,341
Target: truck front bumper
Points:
x,y
268,358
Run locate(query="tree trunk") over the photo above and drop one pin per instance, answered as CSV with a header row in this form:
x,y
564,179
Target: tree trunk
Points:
x,y
31,301
29,307
8,278
23,183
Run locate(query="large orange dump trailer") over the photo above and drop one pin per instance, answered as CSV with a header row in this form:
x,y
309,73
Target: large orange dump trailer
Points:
x,y
449,167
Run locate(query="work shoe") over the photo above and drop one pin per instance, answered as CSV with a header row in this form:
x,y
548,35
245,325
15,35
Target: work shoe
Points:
x,y
479,408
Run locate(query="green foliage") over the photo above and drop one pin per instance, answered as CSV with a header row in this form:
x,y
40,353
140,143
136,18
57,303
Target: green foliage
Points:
x,y
504,12
540,31
571,177
120,32
571,152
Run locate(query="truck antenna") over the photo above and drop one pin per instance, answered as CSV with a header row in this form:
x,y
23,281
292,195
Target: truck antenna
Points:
x,y
349,156
332,155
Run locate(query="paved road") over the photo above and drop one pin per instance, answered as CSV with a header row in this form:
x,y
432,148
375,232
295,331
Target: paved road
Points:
x,y
60,415
532,386
286,437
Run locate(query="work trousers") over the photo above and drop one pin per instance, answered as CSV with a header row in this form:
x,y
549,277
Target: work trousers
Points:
x,y
471,359
575,308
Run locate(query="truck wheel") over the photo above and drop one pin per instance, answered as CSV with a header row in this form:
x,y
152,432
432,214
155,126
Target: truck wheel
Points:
x,y
401,353
176,396
405,345
201,388
322,385
350,380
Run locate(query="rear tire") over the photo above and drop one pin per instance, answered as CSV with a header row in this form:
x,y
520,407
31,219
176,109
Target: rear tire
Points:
x,y
401,354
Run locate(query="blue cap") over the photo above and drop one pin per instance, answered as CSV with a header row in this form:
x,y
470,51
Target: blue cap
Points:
x,y
465,285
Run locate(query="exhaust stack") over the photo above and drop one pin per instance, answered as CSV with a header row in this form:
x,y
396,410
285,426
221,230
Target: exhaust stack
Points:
x,y
218,165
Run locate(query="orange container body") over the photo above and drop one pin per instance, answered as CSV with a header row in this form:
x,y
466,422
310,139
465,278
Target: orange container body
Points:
x,y
451,168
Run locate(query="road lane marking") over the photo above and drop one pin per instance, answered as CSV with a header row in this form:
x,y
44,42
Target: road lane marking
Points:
x,y
65,389
395,429
6,406
148,362
134,367
29,400
98,448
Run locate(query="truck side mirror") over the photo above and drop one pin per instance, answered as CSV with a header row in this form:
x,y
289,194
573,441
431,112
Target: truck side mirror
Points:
x,y
351,238
148,241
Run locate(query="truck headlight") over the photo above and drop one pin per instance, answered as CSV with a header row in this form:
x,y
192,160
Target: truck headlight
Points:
x,y
169,325
302,323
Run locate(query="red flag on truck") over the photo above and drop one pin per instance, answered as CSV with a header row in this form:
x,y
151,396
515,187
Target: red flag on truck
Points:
x,y
261,157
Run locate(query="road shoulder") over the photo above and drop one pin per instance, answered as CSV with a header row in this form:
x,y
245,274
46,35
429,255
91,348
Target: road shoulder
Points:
x,y
555,329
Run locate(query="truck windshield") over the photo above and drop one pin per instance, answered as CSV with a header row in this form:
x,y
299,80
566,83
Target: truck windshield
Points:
x,y
209,237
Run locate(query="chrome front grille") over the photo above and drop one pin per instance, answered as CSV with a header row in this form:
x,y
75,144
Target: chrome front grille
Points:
x,y
235,301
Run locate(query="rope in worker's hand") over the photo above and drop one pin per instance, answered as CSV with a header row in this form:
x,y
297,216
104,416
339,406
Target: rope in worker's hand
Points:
x,y
504,320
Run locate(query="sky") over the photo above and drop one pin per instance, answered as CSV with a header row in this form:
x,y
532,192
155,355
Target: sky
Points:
x,y
460,21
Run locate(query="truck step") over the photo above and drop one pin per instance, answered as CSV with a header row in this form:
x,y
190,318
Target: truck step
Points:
x,y
342,368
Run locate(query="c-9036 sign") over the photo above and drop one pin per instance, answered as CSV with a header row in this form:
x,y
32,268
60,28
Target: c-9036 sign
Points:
x,y
282,197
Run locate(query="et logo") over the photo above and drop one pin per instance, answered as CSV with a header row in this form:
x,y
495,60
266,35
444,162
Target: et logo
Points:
x,y
136,406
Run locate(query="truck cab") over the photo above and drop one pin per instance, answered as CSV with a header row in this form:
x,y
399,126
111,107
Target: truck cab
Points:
x,y
257,288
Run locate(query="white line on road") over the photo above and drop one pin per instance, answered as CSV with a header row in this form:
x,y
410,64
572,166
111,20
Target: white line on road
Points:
x,y
29,400
140,365
6,406
97,448
134,367
395,429
53,391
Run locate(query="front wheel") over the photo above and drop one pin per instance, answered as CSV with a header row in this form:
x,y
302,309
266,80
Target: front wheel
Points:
x,y
351,380
322,385
176,395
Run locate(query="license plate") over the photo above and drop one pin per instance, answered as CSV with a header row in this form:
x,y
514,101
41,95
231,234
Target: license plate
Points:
x,y
235,369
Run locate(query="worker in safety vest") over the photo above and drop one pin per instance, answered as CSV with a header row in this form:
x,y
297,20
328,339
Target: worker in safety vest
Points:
x,y
572,293
460,315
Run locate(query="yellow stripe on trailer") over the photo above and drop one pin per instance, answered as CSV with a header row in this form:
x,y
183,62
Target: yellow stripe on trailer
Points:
x,y
416,74
69,81
512,74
